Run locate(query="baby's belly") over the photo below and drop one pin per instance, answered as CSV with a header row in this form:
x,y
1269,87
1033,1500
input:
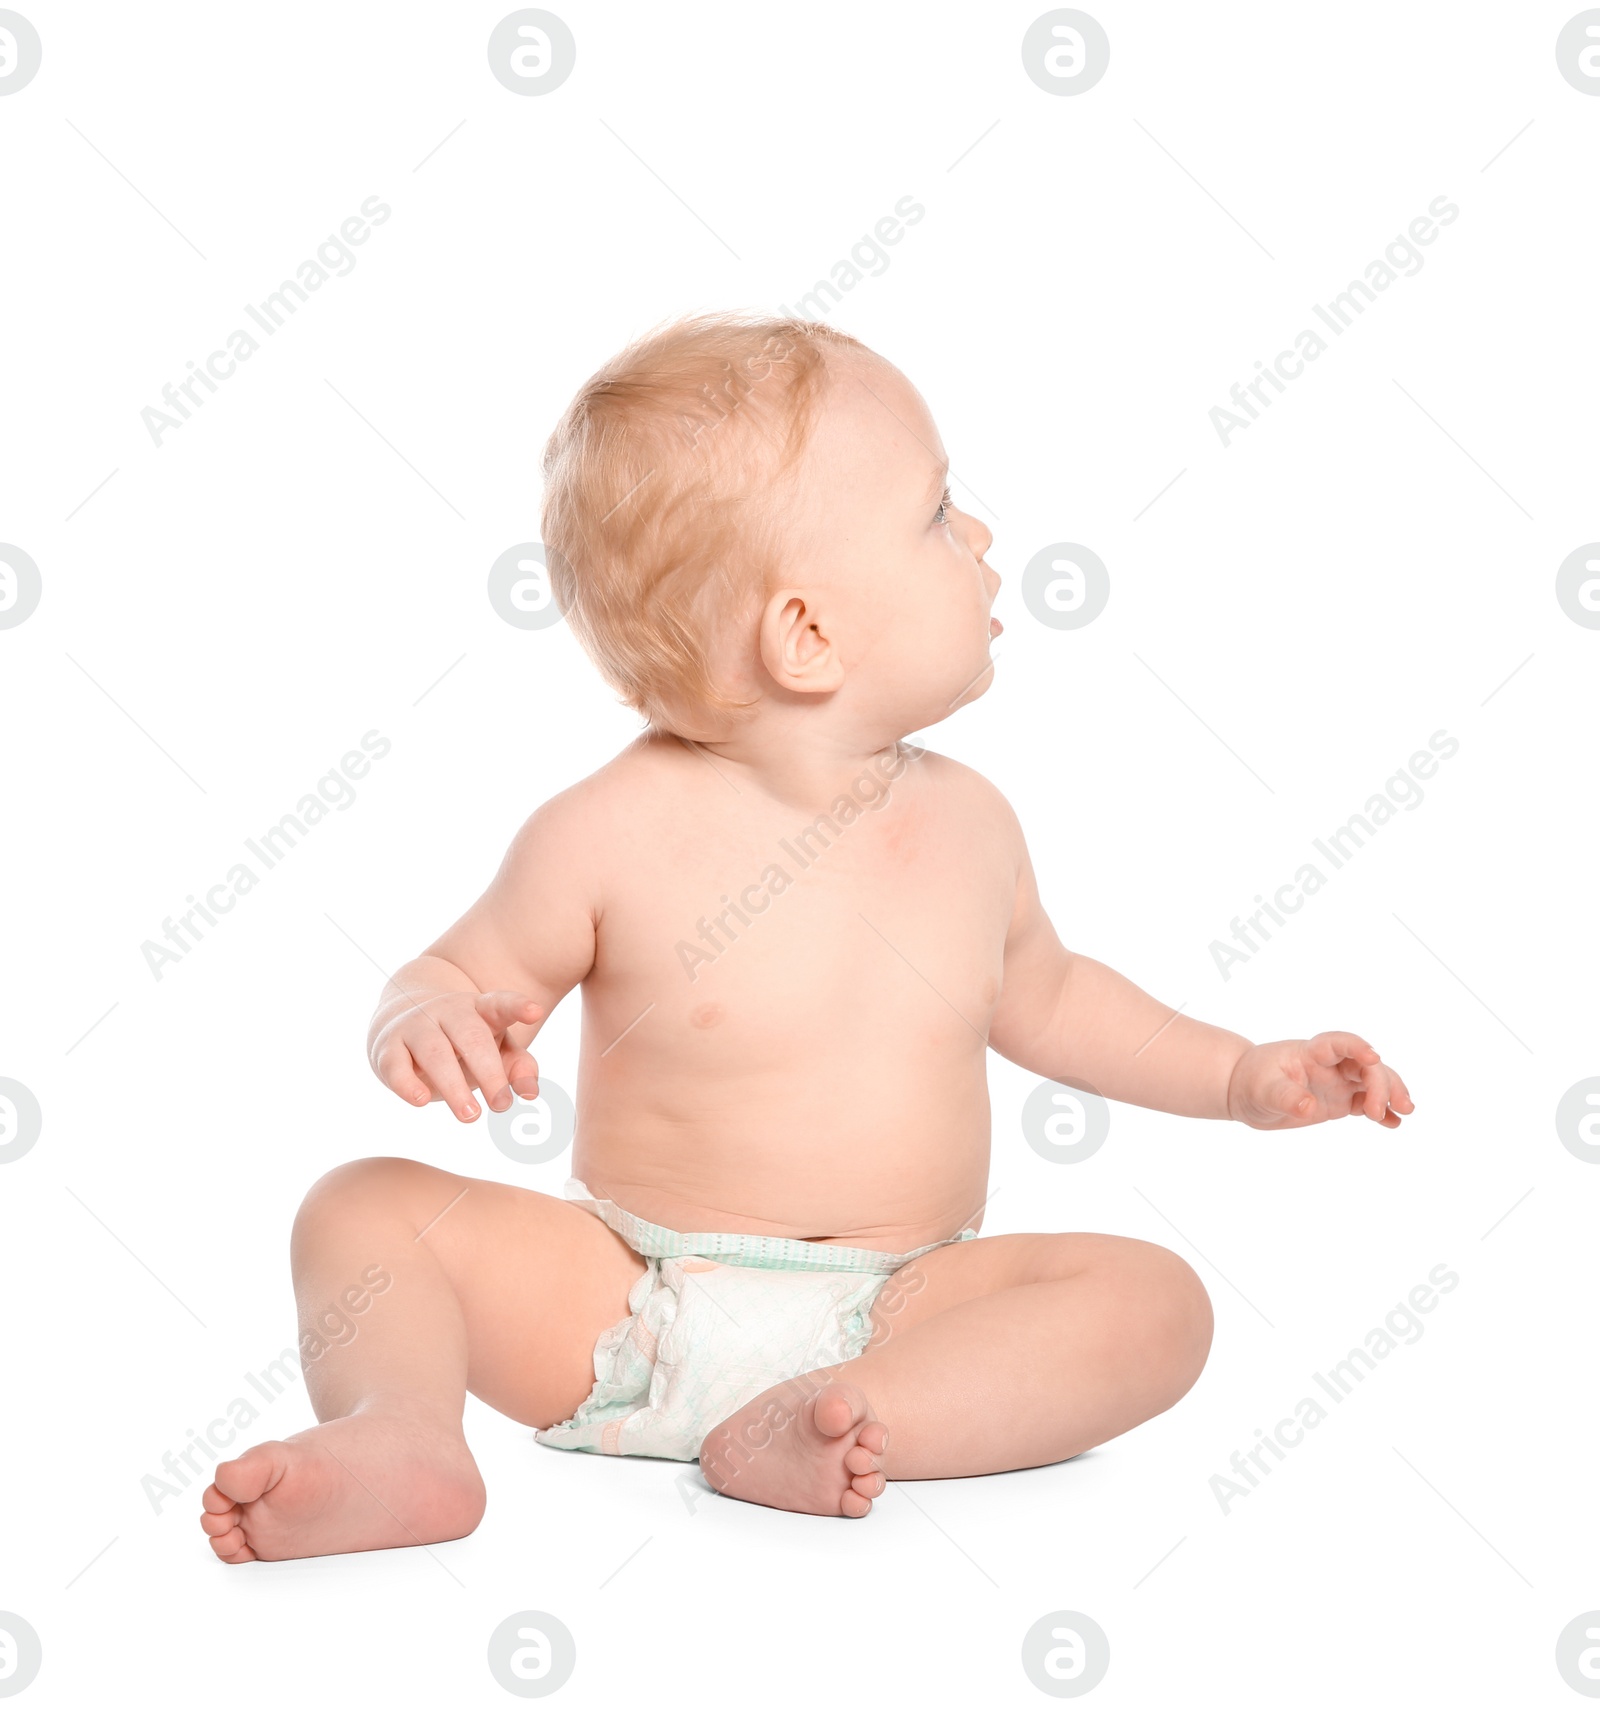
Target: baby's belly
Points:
x,y
890,1160
823,1080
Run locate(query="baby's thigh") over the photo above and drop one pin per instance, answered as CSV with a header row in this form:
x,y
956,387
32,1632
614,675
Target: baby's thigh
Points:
x,y
1145,1275
537,1279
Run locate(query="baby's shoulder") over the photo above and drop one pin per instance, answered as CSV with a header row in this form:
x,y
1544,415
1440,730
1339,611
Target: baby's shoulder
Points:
x,y
573,846
962,788
619,794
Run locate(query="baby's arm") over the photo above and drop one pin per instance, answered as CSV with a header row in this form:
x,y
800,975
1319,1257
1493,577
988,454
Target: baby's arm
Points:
x,y
1071,1018
463,1013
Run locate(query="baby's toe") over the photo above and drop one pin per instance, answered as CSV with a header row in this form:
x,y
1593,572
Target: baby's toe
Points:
x,y
837,1408
870,1484
859,1459
873,1436
250,1476
231,1546
854,1506
219,1524
214,1501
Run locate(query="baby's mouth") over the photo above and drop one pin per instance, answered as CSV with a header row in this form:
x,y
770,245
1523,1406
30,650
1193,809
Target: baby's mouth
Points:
x,y
996,627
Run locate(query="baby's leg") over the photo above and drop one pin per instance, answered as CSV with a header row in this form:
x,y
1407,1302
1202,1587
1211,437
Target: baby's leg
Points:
x,y
989,1355
420,1285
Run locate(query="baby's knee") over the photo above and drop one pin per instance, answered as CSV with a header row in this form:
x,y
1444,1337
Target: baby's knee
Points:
x,y
361,1190
1164,1318
1179,1312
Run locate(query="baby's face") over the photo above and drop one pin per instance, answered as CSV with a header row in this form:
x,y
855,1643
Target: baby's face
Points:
x,y
898,565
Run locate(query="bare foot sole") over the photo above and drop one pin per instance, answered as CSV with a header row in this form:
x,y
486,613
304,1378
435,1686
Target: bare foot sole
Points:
x,y
800,1447
370,1481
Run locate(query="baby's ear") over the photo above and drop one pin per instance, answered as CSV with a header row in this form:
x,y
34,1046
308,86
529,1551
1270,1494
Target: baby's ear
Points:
x,y
795,644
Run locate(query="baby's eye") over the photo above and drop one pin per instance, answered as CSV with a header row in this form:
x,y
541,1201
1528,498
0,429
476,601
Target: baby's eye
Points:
x,y
939,516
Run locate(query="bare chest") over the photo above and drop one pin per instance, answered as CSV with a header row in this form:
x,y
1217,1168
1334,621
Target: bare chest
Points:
x,y
841,926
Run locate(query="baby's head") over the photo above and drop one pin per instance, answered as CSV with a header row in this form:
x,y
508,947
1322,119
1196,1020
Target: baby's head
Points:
x,y
744,515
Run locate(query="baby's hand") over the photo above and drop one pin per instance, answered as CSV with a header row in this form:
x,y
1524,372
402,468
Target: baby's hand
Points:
x,y
1299,1082
439,1046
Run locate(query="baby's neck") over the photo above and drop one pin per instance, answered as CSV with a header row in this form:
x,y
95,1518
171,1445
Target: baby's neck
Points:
x,y
802,759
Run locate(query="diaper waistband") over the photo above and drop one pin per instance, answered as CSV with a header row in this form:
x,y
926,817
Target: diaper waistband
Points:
x,y
758,1251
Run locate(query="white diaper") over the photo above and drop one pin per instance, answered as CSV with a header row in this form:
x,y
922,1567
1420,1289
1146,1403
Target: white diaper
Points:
x,y
714,1321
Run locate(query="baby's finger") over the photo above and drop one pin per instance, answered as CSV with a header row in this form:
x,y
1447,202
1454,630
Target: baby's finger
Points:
x,y
1330,1048
1289,1097
436,1063
478,1048
502,1009
1375,1093
397,1071
521,1070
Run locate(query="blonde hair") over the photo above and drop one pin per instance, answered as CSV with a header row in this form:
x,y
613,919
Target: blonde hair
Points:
x,y
662,503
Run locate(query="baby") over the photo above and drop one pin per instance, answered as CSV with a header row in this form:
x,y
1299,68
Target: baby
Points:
x,y
798,936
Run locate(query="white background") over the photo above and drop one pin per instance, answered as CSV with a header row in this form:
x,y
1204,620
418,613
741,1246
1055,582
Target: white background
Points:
x,y
227,614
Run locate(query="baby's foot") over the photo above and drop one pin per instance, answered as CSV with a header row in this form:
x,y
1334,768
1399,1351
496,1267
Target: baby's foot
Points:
x,y
798,1446
370,1481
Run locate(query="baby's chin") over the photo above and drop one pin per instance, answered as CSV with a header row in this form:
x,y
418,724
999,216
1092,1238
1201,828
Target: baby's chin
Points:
x,y
961,690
